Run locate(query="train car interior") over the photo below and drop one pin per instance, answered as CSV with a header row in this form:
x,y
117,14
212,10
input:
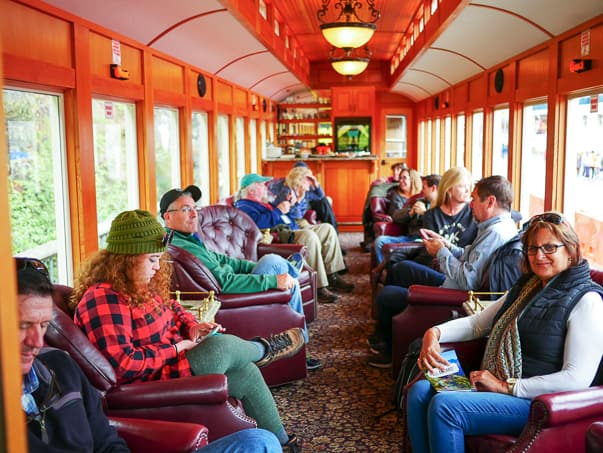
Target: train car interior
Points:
x,y
313,131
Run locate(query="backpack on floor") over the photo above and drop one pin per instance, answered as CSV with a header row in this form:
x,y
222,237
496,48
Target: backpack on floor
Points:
x,y
408,371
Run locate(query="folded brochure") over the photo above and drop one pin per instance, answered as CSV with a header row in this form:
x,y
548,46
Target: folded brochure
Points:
x,y
450,379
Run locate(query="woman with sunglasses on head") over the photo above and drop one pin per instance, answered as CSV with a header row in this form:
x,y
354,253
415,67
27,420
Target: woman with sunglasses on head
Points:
x,y
544,336
121,300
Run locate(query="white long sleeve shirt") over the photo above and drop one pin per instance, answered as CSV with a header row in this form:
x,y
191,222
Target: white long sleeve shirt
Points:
x,y
583,345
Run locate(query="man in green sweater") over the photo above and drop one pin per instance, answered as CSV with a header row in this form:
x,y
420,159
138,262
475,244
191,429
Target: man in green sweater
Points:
x,y
178,209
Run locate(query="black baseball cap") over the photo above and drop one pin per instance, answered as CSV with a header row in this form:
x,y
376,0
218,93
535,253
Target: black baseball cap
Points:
x,y
172,195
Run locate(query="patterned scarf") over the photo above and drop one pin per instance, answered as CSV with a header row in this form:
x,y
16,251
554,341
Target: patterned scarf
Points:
x,y
502,356
30,385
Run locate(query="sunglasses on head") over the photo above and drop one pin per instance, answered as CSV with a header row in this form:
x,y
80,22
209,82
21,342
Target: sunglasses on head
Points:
x,y
549,217
167,238
32,263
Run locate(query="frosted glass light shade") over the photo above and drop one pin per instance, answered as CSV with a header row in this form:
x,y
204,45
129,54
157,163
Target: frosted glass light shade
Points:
x,y
348,35
350,67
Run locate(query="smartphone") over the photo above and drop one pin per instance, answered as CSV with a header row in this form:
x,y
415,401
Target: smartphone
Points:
x,y
213,331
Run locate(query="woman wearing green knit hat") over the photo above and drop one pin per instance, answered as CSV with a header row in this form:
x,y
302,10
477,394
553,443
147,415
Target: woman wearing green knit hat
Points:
x,y
122,303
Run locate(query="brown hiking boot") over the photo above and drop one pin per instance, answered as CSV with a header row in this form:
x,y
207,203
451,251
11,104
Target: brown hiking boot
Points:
x,y
326,297
336,283
280,346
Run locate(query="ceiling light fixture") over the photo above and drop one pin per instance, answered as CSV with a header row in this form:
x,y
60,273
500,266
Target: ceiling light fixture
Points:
x,y
352,32
349,62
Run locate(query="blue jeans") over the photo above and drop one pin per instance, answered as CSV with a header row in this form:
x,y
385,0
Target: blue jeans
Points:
x,y
255,440
438,422
382,240
406,273
273,264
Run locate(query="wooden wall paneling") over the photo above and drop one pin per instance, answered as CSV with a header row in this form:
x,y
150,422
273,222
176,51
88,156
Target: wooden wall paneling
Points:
x,y
515,149
460,97
186,135
533,75
569,50
477,91
167,76
488,144
145,116
102,57
345,183
223,94
555,140
80,152
12,418
45,38
192,87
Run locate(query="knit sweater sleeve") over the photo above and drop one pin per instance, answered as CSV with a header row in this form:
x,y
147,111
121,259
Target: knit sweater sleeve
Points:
x,y
234,275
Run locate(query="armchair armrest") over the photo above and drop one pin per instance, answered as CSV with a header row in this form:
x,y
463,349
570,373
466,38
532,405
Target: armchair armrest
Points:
x,y
382,228
378,217
144,435
556,409
430,295
272,296
203,390
410,246
311,217
283,250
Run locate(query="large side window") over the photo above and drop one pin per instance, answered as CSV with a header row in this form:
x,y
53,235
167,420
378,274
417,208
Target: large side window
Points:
x,y
240,146
395,136
533,160
115,161
201,171
38,193
584,173
253,146
460,140
500,142
167,150
223,157
477,145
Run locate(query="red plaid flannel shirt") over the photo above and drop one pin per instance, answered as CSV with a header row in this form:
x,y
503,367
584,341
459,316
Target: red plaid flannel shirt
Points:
x,y
138,342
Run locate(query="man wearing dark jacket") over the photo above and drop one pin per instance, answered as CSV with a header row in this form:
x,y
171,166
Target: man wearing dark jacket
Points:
x,y
63,411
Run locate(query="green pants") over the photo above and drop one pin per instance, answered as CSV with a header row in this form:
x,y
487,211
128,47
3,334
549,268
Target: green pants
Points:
x,y
234,357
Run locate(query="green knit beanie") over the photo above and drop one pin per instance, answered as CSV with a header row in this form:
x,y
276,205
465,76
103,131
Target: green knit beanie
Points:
x,y
134,233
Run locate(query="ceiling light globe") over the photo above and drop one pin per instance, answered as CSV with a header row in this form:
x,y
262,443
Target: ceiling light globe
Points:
x,y
348,35
350,67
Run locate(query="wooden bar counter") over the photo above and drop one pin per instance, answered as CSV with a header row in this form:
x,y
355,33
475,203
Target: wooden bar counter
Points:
x,y
345,179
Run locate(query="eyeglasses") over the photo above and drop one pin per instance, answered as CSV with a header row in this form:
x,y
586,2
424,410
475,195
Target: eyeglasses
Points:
x,y
167,238
32,263
547,249
549,217
185,210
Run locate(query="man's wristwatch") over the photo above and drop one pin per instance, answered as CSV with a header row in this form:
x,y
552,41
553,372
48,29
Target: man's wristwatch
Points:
x,y
511,385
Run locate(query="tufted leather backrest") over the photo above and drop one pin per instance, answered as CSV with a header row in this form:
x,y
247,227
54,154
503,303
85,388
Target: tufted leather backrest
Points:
x,y
63,334
190,274
229,231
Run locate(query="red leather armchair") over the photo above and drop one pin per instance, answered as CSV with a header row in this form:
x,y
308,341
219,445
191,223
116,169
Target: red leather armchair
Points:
x,y
558,422
594,438
143,435
197,399
428,306
383,222
229,231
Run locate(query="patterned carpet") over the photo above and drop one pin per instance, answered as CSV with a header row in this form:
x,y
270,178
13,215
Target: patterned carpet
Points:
x,y
337,408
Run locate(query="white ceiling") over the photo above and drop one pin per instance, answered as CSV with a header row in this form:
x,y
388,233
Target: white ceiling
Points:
x,y
204,34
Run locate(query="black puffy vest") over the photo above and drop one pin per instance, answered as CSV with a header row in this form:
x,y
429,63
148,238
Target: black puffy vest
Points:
x,y
543,323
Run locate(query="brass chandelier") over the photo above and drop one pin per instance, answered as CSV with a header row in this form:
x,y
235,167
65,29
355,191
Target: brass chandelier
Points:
x,y
347,33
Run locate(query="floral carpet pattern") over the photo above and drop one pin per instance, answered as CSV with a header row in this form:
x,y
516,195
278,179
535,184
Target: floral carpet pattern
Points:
x,y
341,407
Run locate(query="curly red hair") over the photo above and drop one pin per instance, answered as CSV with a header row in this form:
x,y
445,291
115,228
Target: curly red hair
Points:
x,y
119,270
